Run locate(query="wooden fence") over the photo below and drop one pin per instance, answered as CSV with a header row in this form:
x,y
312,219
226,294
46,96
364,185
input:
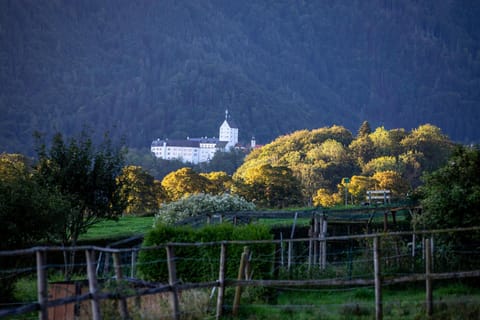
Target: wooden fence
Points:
x,y
316,259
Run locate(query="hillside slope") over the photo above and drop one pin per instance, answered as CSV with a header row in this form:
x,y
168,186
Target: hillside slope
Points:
x,y
170,68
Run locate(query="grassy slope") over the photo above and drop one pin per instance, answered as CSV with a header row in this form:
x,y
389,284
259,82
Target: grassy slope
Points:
x,y
124,227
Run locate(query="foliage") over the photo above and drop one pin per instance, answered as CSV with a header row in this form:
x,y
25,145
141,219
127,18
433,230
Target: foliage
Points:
x,y
358,187
200,204
28,214
451,199
432,143
85,177
451,194
269,186
139,190
27,211
391,180
221,182
223,162
325,199
321,158
184,182
203,261
379,164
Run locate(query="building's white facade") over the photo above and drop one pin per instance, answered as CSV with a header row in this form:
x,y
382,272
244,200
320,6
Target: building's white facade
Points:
x,y
197,150
228,132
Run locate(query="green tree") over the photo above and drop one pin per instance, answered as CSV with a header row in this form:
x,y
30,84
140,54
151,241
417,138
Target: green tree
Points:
x,y
27,211
184,182
224,161
364,130
84,175
451,194
451,199
28,214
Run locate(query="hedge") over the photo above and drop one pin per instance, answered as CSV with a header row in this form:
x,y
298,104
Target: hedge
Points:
x,y
201,263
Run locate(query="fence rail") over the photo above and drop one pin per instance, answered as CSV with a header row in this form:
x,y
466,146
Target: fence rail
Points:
x,y
376,253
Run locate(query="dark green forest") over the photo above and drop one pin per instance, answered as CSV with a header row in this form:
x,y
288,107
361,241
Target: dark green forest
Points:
x,y
156,69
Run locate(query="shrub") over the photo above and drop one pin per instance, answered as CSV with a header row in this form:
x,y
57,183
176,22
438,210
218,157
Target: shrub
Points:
x,y
201,263
199,204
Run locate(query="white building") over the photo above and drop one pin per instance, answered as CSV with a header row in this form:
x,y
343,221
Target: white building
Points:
x,y
229,132
196,150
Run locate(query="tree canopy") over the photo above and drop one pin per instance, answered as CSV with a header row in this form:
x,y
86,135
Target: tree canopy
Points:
x,y
319,159
451,194
84,176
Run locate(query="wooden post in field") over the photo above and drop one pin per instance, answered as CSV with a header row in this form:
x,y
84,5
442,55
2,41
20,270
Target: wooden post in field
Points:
x,y
282,251
92,284
428,280
378,280
414,244
172,281
106,266
118,275
221,280
323,235
289,256
42,292
133,264
241,273
315,235
310,246
320,246
290,243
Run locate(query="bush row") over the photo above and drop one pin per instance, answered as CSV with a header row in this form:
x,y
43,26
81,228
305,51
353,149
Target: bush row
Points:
x,y
201,263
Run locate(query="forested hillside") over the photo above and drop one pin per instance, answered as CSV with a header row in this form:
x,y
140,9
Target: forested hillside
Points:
x,y
149,69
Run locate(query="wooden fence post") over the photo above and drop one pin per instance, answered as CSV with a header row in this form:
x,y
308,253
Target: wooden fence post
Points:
x,y
378,280
315,235
320,243
241,273
221,280
289,254
118,275
428,280
133,266
42,285
323,257
172,281
282,249
92,284
290,243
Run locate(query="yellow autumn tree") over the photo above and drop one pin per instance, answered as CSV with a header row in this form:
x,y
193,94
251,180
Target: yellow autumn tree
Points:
x,y
184,182
391,180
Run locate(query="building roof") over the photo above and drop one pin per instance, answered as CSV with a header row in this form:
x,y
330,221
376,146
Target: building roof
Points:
x,y
188,143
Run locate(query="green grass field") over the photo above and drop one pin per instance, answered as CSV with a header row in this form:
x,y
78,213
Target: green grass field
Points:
x,y
452,300
125,227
